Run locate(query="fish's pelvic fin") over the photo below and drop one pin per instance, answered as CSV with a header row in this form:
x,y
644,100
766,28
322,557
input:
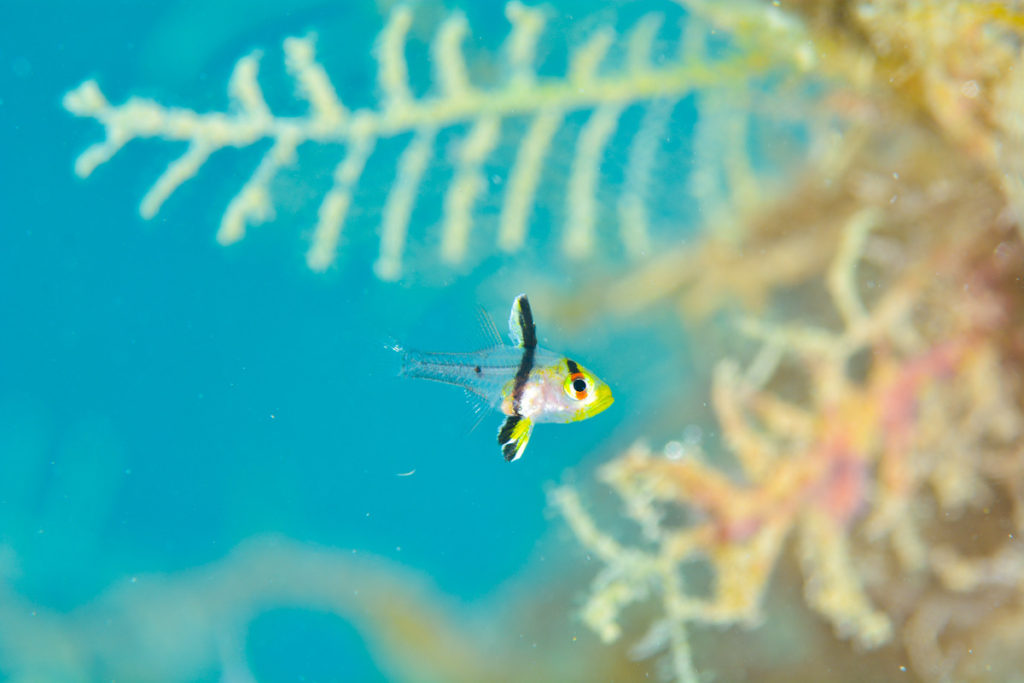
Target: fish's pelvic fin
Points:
x,y
520,323
514,435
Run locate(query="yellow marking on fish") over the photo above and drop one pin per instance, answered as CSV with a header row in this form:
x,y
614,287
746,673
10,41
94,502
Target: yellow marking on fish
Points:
x,y
514,435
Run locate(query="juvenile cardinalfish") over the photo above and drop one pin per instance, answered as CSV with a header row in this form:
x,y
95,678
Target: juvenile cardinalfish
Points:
x,y
527,383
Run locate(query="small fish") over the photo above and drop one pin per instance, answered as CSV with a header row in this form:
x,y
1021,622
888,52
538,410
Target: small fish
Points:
x,y
529,384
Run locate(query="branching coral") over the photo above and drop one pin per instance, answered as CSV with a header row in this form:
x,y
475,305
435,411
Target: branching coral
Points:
x,y
860,461
957,64
933,77
880,427
604,76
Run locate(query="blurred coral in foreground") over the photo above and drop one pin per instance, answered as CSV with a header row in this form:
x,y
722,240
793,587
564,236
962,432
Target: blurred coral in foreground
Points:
x,y
877,421
500,136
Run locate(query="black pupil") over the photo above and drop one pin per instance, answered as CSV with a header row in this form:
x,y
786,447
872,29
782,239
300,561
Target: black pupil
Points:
x,y
579,385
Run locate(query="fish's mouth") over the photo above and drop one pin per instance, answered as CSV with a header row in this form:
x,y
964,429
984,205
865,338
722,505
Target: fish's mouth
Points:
x,y
601,403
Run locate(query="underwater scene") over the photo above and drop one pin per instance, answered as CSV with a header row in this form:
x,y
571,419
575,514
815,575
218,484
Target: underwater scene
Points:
x,y
719,303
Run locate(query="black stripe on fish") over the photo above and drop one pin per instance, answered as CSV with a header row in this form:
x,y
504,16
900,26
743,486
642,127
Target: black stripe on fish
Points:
x,y
526,327
522,374
573,368
529,335
508,447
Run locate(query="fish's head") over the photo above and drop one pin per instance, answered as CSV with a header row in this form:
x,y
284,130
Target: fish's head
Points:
x,y
584,392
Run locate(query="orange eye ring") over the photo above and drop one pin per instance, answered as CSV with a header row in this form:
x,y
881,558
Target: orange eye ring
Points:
x,y
577,386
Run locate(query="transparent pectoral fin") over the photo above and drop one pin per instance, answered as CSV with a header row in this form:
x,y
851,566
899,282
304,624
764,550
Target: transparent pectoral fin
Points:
x,y
514,435
480,406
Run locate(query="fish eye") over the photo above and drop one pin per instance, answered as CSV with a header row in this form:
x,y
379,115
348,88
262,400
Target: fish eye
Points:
x,y
577,386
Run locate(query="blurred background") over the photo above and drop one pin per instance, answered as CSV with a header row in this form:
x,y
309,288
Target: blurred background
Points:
x,y
212,471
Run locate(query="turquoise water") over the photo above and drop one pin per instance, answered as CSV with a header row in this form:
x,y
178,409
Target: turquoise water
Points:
x,y
164,398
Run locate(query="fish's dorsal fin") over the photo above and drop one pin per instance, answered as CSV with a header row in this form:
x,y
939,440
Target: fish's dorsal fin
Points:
x,y
520,323
514,435
488,330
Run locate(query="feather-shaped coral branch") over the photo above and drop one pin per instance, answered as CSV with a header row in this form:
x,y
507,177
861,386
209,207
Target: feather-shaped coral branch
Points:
x,y
592,82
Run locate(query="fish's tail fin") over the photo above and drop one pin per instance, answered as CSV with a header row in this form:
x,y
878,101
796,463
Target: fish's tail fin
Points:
x,y
408,362
416,364
411,363
514,435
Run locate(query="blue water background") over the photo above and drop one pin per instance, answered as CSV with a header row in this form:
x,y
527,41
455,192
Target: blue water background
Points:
x,y
163,398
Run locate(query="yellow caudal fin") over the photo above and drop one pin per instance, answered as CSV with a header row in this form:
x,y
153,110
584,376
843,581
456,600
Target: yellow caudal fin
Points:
x,y
514,435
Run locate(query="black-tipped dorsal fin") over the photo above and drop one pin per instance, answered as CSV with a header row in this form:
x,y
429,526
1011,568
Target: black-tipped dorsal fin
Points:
x,y
520,323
